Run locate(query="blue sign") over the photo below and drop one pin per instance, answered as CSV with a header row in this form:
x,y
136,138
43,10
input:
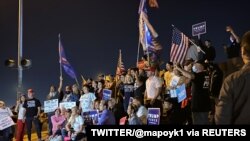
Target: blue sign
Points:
x,y
199,28
153,116
181,93
93,115
106,94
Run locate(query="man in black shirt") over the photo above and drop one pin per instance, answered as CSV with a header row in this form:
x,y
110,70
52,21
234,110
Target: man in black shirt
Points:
x,y
200,103
32,111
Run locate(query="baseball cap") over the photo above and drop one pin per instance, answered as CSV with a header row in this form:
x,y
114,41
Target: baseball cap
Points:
x,y
30,90
152,69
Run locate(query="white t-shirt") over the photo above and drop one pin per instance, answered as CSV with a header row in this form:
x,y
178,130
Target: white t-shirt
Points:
x,y
87,101
152,84
5,112
21,112
77,123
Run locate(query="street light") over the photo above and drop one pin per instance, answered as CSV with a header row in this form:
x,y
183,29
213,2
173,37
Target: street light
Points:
x,y
11,63
21,62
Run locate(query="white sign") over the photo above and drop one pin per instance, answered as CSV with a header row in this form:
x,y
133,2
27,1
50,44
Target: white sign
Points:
x,y
50,105
67,105
6,122
199,28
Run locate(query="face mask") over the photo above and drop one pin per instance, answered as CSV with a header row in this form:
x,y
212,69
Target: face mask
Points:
x,y
52,94
231,39
67,92
194,69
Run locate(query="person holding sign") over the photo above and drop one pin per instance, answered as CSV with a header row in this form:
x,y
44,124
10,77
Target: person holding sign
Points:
x,y
6,132
54,94
21,118
107,117
200,102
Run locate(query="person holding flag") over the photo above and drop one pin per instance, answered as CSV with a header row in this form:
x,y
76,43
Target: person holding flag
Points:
x,y
64,63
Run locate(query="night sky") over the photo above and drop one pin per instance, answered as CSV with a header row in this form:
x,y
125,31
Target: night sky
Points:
x,y
93,31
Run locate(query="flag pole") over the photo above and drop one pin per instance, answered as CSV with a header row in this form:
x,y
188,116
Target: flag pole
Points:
x,y
59,37
191,41
77,83
138,52
116,79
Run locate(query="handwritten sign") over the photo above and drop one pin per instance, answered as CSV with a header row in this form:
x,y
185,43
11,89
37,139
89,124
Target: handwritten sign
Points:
x,y
67,105
199,28
106,94
6,122
50,105
153,117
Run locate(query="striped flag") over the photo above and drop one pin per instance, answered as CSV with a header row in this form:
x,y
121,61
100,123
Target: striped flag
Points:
x,y
64,62
179,47
120,66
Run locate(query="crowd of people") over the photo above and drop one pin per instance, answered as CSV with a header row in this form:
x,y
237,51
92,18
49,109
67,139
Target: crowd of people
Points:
x,y
208,100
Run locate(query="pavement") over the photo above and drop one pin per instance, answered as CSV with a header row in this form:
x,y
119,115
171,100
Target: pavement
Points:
x,y
34,135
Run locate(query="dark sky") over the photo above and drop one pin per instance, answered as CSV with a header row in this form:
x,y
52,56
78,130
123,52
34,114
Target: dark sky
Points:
x,y
93,31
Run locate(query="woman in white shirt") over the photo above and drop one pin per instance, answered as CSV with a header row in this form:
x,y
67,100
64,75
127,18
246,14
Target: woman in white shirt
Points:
x,y
6,133
87,100
75,125
20,119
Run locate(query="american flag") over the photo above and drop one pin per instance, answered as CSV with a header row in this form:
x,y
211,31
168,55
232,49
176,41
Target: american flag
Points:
x,y
120,66
64,62
179,47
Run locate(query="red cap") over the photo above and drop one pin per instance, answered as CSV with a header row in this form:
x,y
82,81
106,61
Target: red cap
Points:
x,y
152,69
30,90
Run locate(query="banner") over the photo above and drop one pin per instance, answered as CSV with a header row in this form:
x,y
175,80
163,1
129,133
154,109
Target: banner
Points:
x,y
153,116
50,105
199,28
106,94
6,122
67,105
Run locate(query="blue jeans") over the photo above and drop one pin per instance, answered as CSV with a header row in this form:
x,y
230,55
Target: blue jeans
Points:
x,y
6,134
37,124
64,133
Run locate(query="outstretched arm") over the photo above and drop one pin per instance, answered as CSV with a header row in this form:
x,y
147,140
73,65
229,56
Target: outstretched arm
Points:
x,y
185,73
230,29
60,84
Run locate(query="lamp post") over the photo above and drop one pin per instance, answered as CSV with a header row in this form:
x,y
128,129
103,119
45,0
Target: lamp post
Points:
x,y
20,47
21,63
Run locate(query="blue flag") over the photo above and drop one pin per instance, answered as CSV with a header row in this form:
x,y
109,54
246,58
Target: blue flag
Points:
x,y
64,62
